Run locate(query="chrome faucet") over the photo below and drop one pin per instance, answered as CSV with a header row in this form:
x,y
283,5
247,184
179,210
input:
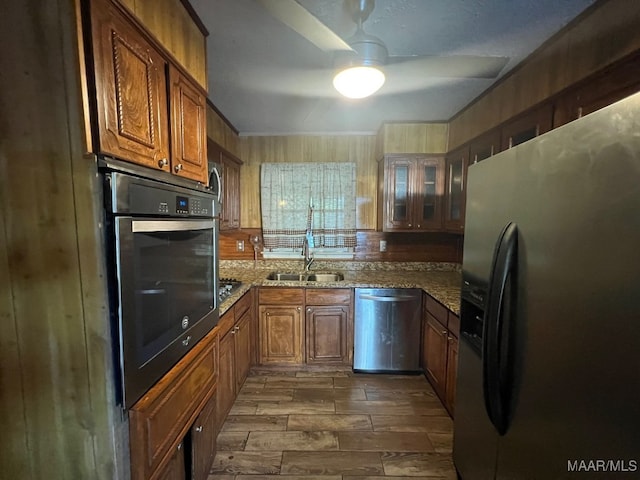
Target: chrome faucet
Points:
x,y
306,251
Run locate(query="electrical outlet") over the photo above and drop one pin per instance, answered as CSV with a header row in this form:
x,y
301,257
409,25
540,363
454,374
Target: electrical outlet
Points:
x,y
383,245
240,245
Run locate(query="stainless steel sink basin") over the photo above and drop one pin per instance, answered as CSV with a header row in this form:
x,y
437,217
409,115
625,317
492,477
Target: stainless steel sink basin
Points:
x,y
325,277
306,277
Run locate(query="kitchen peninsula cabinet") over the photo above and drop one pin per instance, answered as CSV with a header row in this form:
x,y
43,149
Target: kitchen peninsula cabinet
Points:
x,y
328,321
235,353
136,119
281,327
410,193
440,350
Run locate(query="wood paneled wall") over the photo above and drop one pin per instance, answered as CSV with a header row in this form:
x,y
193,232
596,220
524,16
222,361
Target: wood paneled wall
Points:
x,y
603,34
171,23
412,138
360,149
56,383
221,132
401,247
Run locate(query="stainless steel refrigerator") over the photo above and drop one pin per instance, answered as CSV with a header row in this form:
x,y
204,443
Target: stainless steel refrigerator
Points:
x,y
549,354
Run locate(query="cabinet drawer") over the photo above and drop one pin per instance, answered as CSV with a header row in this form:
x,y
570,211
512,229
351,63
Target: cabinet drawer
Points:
x,y
436,309
159,421
454,324
243,304
281,296
328,296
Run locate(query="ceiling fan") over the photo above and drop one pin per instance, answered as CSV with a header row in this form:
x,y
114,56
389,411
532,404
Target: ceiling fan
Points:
x,y
367,54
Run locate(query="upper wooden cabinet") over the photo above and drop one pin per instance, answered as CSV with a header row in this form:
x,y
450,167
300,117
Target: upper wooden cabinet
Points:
x,y
136,120
457,163
189,128
131,90
525,127
229,166
484,146
411,192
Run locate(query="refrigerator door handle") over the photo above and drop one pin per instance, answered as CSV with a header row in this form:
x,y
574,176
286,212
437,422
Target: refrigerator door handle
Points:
x,y
495,348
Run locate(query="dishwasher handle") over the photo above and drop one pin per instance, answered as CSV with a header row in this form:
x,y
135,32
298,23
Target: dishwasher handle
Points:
x,y
382,298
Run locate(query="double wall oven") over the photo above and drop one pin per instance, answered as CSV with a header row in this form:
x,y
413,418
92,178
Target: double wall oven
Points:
x,y
162,244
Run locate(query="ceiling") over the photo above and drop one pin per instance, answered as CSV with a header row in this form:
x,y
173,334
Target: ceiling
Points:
x,y
266,79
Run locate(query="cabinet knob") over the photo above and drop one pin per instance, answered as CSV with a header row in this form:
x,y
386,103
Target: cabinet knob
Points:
x,y
179,446
268,314
410,225
186,341
236,328
199,428
163,162
308,310
178,167
418,225
298,308
444,332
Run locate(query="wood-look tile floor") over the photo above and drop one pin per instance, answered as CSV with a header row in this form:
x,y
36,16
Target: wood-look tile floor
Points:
x,y
334,426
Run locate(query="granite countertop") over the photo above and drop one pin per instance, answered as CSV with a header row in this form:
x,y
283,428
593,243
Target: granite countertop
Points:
x,y
442,284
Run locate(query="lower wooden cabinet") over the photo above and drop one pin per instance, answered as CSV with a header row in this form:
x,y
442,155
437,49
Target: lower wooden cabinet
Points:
x,y
175,469
203,441
281,334
326,336
235,354
440,350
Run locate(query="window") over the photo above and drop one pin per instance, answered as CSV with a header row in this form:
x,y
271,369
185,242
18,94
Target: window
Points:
x,y
319,198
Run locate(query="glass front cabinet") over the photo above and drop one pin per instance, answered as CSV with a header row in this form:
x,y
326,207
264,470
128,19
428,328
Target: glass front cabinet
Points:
x,y
456,163
412,192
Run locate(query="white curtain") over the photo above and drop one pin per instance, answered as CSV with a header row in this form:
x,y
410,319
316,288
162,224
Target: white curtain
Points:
x,y
320,197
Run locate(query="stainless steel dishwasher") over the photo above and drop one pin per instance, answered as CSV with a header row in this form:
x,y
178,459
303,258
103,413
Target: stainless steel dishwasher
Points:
x,y
387,330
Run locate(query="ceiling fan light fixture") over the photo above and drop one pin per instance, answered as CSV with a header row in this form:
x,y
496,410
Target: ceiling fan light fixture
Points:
x,y
358,81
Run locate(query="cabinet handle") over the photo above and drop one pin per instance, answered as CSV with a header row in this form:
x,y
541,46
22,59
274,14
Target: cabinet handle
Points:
x,y
163,162
199,429
178,167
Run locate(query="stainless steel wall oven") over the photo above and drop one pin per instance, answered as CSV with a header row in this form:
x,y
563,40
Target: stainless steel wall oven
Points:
x,y
162,249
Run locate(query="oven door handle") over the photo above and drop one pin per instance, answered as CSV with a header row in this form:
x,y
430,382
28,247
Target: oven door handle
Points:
x,y
150,226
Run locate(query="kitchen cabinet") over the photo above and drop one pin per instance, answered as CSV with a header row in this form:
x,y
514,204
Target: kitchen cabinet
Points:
x,y
175,468
329,330
440,350
484,146
203,441
411,192
137,120
525,127
161,419
235,353
281,330
189,130
229,166
456,164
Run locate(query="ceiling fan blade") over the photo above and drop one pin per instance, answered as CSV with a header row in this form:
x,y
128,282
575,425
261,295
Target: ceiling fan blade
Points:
x,y
300,20
458,66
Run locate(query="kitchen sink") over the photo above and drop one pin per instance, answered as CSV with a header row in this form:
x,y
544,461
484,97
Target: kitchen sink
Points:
x,y
306,277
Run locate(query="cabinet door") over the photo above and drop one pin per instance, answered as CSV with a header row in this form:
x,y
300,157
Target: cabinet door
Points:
x,y
281,334
131,88
203,441
398,198
242,349
526,127
435,354
484,146
230,215
175,469
452,373
455,193
428,191
189,130
326,334
226,391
